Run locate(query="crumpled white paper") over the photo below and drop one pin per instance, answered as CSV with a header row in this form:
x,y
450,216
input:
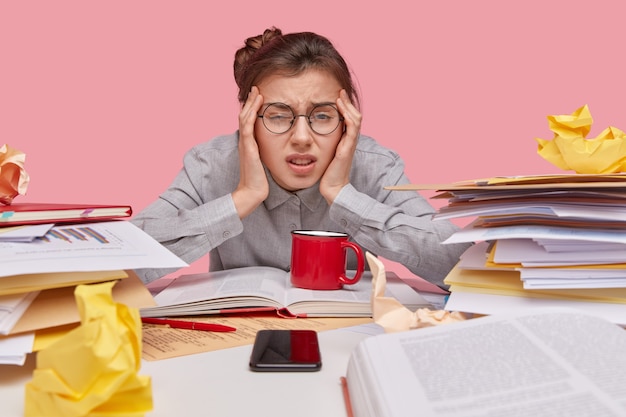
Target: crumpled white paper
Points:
x,y
391,315
13,177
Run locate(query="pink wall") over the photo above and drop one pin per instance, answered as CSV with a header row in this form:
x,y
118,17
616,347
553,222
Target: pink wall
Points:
x,y
105,97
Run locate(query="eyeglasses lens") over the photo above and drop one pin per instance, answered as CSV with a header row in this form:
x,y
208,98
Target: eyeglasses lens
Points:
x,y
323,119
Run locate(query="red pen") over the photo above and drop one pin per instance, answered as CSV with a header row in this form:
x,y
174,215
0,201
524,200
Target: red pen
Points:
x,y
191,325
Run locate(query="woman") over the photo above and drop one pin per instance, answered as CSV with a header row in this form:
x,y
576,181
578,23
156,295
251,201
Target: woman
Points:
x,y
298,161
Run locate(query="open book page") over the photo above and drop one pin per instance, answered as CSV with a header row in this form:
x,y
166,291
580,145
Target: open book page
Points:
x,y
251,288
547,362
352,300
356,298
232,288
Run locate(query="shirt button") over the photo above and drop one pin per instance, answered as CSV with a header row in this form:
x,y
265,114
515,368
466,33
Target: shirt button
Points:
x,y
292,227
226,235
344,222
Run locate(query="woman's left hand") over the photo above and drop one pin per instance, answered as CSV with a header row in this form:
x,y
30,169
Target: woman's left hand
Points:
x,y
337,174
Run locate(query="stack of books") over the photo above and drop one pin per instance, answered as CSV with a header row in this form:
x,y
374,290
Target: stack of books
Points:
x,y
550,240
46,250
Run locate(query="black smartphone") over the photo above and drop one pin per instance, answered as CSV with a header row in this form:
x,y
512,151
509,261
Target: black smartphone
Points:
x,y
286,350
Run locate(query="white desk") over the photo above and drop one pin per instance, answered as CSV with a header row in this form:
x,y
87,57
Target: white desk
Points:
x,y
219,383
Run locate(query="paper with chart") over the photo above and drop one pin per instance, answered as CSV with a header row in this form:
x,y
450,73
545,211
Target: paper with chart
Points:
x,y
99,246
24,233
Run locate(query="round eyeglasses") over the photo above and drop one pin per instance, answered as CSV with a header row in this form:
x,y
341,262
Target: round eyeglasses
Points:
x,y
323,119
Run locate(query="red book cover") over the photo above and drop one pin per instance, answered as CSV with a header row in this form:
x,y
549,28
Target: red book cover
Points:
x,y
36,213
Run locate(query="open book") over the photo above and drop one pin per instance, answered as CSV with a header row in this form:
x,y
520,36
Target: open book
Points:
x,y
543,363
260,288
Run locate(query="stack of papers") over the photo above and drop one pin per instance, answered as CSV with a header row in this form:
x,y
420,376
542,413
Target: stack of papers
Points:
x,y
556,238
39,275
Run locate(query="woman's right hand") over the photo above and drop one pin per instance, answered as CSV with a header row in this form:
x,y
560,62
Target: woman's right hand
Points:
x,y
253,187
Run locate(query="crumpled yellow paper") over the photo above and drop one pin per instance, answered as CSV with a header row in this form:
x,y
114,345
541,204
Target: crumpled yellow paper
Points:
x,y
13,177
391,315
570,149
92,370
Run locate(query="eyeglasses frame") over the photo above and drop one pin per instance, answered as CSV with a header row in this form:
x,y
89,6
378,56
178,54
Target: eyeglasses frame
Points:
x,y
295,116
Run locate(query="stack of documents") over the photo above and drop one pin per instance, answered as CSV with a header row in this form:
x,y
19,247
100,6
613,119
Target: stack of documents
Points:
x,y
45,262
549,240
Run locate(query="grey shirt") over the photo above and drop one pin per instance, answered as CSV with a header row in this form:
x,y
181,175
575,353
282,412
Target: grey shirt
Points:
x,y
196,215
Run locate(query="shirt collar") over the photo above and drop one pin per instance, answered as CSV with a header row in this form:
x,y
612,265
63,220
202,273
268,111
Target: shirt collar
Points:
x,y
310,197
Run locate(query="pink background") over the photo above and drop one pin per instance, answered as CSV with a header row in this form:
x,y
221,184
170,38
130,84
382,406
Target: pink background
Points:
x,y
105,97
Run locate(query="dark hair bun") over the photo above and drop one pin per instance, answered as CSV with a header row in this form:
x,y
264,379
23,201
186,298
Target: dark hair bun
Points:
x,y
252,44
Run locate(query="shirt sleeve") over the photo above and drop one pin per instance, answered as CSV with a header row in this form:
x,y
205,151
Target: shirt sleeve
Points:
x,y
191,217
396,225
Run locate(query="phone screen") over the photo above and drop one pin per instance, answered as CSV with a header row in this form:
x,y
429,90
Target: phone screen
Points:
x,y
286,350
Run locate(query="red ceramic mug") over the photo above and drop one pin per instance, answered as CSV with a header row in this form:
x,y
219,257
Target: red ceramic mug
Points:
x,y
318,260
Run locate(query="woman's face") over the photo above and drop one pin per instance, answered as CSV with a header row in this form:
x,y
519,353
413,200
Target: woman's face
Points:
x,y
298,158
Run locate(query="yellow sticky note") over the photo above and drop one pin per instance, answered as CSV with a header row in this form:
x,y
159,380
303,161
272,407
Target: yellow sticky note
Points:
x,y
92,370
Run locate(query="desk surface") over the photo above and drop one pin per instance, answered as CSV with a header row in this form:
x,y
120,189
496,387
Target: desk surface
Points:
x,y
219,383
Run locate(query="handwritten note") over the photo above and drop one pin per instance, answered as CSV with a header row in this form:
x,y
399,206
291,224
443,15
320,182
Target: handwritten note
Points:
x,y
162,342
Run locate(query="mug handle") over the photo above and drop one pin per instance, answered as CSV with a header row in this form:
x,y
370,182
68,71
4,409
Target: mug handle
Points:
x,y
360,263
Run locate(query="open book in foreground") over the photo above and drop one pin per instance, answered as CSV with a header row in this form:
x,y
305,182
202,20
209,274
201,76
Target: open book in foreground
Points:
x,y
259,288
544,363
